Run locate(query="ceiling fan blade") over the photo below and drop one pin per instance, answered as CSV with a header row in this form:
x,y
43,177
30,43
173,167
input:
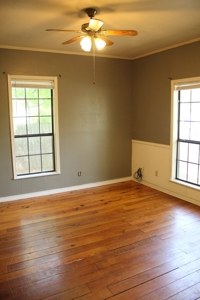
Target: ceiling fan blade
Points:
x,y
73,40
107,41
119,32
66,30
95,24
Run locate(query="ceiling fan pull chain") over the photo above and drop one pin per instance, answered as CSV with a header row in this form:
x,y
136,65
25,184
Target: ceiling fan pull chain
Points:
x,y
94,69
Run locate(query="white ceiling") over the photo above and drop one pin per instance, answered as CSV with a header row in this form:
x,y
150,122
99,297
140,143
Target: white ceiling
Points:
x,y
161,24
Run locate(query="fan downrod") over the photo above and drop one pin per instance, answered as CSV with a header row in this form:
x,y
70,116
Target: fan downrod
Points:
x,y
91,12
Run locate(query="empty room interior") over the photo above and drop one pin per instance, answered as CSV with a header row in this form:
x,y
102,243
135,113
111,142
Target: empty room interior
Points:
x,y
99,150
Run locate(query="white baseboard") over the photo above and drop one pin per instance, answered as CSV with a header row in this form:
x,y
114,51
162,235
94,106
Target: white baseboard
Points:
x,y
62,190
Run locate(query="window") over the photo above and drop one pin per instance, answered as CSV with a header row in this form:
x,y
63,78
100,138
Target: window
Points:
x,y
186,131
34,129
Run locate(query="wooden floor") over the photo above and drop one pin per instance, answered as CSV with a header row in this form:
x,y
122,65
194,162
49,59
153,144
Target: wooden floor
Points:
x,y
120,241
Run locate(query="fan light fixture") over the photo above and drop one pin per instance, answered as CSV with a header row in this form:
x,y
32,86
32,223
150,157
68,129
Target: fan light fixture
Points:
x,y
92,32
86,43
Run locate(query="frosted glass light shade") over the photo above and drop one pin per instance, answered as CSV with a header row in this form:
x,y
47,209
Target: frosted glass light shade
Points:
x,y
100,44
86,43
95,24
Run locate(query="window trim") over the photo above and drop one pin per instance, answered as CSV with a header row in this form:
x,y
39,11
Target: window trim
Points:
x,y
55,125
176,85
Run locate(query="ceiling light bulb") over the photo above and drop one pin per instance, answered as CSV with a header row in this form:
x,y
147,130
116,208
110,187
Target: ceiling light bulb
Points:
x,y
86,43
100,44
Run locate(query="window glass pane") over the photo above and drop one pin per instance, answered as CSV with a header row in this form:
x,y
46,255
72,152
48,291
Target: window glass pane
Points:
x,y
184,130
195,111
32,108
185,111
33,125
19,126
196,95
19,108
183,151
22,165
18,92
182,170
45,107
47,142
21,146
192,173
193,153
34,145
195,131
44,93
47,162
35,164
46,125
31,93
185,96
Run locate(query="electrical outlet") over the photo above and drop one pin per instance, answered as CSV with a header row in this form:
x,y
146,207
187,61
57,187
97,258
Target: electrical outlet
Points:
x,y
156,173
142,169
79,174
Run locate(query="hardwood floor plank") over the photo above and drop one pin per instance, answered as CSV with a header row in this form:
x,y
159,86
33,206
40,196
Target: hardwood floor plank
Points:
x,y
132,268
7,295
100,295
141,278
120,241
71,294
3,270
161,287
187,264
10,252
55,257
191,266
69,271
192,293
174,288
125,241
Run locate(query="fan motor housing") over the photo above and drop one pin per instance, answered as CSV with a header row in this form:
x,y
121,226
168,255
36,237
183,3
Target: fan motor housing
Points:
x,y
91,12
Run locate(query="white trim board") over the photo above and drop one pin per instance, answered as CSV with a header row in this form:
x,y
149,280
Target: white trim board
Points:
x,y
150,144
155,160
63,190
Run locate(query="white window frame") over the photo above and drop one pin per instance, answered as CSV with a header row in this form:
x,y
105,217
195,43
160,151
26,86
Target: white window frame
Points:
x,y
175,84
37,80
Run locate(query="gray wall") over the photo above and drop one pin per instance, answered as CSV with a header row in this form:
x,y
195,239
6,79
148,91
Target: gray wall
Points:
x,y
152,90
94,120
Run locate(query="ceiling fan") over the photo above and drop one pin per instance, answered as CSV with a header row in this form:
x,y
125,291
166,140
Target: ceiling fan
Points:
x,y
92,32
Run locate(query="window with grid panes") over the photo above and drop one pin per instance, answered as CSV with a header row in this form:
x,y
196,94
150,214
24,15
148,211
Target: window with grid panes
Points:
x,y
34,132
188,133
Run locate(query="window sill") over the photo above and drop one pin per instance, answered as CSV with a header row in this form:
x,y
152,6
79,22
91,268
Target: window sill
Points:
x,y
185,184
36,175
